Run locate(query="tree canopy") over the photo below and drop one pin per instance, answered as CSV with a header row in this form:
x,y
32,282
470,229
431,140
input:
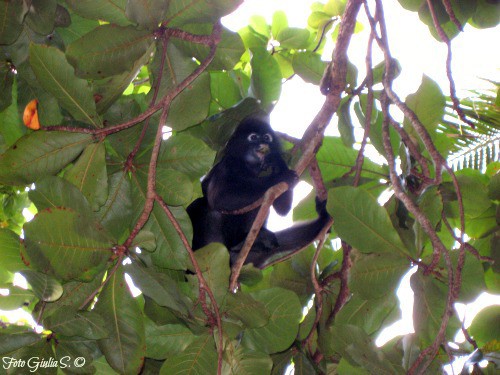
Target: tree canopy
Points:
x,y
112,112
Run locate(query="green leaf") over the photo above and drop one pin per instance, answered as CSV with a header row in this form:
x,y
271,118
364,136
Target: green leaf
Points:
x,y
335,159
89,175
187,154
13,338
166,341
181,12
113,12
266,77
285,313
375,275
16,298
12,14
125,347
41,16
346,128
45,287
309,66
117,211
11,254
158,286
369,314
108,50
69,322
59,237
147,13
362,222
40,154
485,327
246,361
53,192
170,251
57,76
279,23
427,103
293,37
244,307
200,357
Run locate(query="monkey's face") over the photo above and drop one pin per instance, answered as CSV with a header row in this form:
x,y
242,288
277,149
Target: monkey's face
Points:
x,y
258,147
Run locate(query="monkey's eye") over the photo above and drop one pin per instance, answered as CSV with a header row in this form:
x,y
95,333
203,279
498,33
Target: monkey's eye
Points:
x,y
268,138
252,137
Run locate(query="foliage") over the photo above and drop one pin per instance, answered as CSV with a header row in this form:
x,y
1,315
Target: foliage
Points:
x,y
134,100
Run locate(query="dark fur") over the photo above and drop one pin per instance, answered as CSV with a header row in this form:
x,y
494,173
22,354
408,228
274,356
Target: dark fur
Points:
x,y
252,163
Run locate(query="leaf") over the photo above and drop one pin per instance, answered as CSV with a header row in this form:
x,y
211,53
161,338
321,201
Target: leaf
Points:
x,y
168,340
427,103
147,13
108,50
170,252
117,211
16,298
12,14
186,154
11,254
309,66
111,11
293,37
285,313
13,338
486,325
244,307
362,222
45,287
158,286
279,23
266,77
68,321
41,16
181,12
40,154
57,76
346,128
59,237
53,192
247,361
125,347
200,357
375,275
89,175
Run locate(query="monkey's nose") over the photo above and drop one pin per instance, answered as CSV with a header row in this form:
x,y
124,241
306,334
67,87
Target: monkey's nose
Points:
x,y
263,149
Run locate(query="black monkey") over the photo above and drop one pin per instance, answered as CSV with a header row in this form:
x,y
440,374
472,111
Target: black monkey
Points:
x,y
252,163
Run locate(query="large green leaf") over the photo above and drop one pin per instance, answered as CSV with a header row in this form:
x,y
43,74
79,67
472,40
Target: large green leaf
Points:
x,y
181,12
375,275
41,16
200,357
147,13
89,175
69,321
285,313
266,77
12,14
245,361
125,347
293,37
309,66
186,154
67,244
11,254
117,211
108,50
17,297
244,307
486,325
45,287
362,222
111,11
57,76
168,340
40,154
